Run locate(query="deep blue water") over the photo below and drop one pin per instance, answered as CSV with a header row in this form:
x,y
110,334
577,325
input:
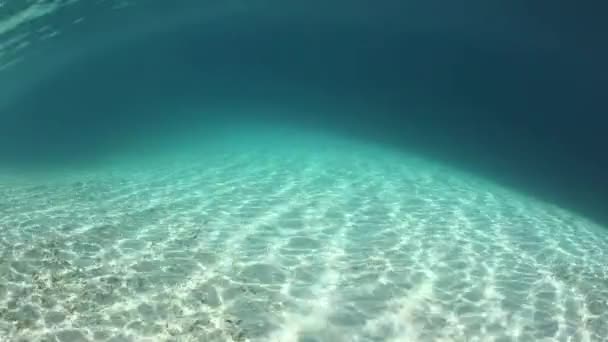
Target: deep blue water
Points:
x,y
511,90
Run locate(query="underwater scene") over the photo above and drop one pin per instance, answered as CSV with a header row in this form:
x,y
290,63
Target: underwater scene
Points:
x,y
264,170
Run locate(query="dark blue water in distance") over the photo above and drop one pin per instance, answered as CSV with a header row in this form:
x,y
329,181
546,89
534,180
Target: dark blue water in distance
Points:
x,y
303,171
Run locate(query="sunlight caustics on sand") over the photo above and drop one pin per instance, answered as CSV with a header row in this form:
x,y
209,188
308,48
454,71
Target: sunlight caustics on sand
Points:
x,y
314,240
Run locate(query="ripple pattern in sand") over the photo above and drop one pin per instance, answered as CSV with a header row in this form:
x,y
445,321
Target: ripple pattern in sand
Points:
x,y
334,245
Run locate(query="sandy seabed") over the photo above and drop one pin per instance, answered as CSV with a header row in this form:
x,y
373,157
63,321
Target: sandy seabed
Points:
x,y
328,241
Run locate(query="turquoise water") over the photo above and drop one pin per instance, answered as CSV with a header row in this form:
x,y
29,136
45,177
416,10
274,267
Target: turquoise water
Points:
x,y
294,171
292,237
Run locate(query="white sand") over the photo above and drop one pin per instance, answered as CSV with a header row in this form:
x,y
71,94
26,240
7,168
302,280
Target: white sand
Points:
x,y
328,241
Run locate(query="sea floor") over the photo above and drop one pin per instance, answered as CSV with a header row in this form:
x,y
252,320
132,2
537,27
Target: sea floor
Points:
x,y
319,240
